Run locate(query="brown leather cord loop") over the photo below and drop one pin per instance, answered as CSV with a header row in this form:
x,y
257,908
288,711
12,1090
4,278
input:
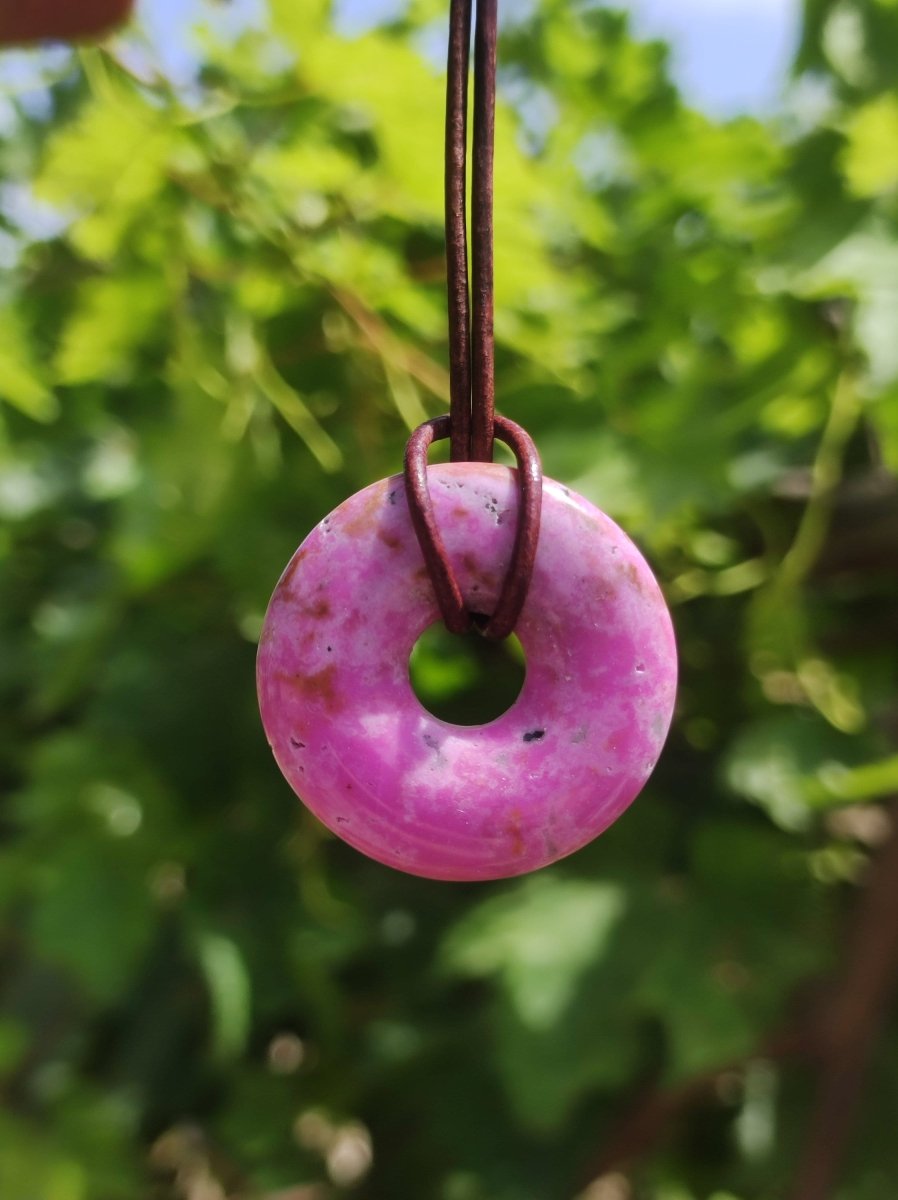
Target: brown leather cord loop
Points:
x,y
449,597
502,621
472,423
523,554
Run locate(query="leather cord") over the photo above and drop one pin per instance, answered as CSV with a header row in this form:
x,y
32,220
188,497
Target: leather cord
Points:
x,y
472,423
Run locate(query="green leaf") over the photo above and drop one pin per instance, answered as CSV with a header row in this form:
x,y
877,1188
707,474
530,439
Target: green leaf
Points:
x,y
104,334
870,159
91,916
594,1046
834,783
557,1036
109,164
229,992
22,382
515,937
863,266
772,760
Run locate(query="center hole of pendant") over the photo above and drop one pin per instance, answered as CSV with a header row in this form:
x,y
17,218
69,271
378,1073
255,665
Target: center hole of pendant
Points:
x,y
466,679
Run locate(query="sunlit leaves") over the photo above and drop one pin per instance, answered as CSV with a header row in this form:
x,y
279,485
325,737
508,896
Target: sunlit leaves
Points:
x,y
23,383
226,321
869,158
229,990
555,1039
515,937
112,320
863,266
106,167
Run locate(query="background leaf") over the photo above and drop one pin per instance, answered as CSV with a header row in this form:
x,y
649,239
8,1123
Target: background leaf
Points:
x,y
222,309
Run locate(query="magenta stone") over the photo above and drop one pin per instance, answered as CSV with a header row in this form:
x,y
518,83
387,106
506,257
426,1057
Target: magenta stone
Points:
x,y
448,801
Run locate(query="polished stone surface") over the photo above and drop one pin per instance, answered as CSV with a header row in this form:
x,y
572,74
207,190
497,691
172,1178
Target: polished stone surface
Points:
x,y
447,801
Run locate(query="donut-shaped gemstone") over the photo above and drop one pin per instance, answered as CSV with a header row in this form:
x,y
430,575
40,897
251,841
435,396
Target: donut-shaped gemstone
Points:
x,y
466,802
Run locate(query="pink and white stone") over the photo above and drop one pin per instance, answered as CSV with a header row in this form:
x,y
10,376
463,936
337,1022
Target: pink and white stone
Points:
x,y
447,801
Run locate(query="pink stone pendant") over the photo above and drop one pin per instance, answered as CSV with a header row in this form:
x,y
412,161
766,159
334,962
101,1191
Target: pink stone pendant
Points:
x,y
466,802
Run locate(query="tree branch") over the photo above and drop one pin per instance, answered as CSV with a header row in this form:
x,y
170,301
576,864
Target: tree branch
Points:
x,y
852,1024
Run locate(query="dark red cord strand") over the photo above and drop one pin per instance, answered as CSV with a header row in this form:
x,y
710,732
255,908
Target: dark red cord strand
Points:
x,y
457,229
482,355
471,370
472,423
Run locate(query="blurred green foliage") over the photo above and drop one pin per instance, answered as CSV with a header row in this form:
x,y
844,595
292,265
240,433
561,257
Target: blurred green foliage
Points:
x,y
222,310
